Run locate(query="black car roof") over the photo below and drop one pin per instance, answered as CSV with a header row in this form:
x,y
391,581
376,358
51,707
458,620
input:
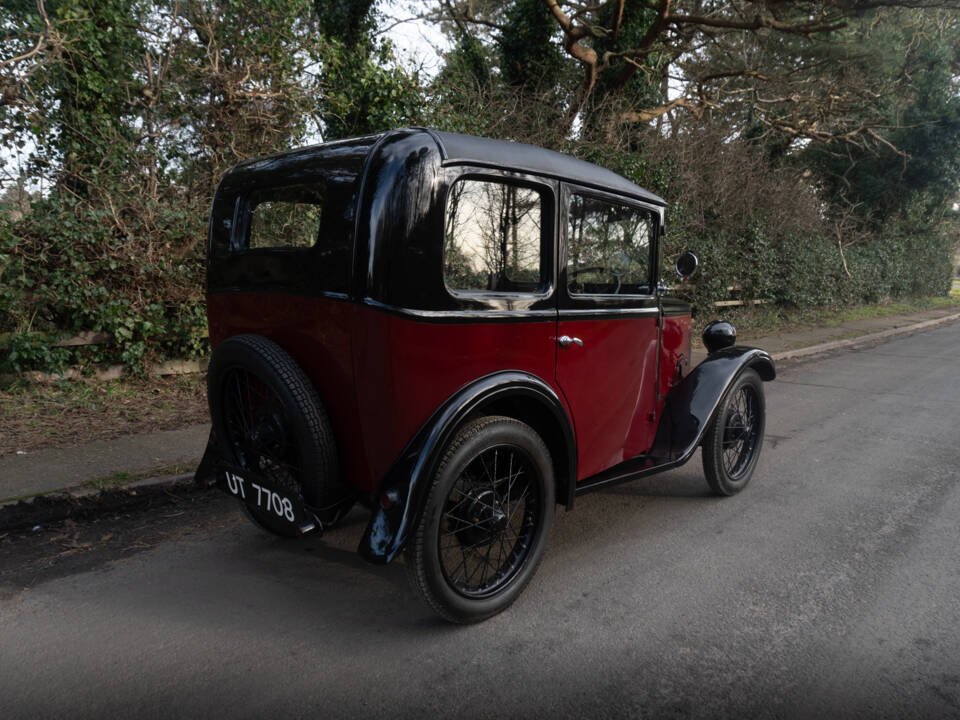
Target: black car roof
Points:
x,y
488,152
457,148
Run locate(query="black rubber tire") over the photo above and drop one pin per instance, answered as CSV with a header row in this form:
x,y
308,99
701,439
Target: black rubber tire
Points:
x,y
303,416
719,477
424,565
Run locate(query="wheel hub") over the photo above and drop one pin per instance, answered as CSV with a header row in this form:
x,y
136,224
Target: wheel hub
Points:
x,y
736,428
486,518
268,433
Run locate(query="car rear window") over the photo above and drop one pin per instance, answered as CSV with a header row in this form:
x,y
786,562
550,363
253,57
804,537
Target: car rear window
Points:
x,y
287,217
493,238
310,223
608,247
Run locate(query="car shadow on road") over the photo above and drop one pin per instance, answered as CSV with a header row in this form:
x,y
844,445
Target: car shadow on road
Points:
x,y
678,484
329,567
217,568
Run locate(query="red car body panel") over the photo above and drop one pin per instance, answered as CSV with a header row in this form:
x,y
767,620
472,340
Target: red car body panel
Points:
x,y
407,368
610,385
381,375
318,333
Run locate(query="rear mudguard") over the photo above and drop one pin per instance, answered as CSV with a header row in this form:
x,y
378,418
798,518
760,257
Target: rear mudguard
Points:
x,y
404,488
211,464
687,412
691,404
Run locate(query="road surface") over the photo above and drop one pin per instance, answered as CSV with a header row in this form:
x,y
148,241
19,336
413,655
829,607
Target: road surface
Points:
x,y
830,587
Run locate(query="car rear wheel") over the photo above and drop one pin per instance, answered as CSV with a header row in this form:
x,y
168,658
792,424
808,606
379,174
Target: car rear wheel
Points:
x,y
732,442
486,522
268,419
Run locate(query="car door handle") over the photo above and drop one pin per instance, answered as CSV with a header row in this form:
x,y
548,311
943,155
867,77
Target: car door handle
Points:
x,y
566,340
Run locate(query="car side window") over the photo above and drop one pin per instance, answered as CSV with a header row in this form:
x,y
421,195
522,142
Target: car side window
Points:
x,y
608,247
493,238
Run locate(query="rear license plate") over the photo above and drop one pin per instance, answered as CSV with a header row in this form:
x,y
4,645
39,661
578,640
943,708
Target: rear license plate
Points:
x,y
258,492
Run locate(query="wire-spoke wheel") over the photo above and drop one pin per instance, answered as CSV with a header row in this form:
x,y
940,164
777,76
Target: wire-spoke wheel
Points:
x,y
268,419
485,526
731,444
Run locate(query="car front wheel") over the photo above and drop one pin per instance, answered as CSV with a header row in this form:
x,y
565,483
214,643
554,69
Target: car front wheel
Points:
x,y
485,525
731,444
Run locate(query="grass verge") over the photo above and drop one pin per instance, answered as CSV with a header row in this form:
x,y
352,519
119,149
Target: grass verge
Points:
x,y
760,320
75,412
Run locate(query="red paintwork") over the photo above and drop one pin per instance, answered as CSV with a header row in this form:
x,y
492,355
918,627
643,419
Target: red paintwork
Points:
x,y
676,353
381,375
406,369
317,332
611,386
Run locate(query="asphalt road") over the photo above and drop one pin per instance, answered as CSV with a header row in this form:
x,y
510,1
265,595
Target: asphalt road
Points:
x,y
829,588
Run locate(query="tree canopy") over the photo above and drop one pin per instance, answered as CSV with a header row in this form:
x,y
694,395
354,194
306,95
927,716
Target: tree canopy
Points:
x,y
810,150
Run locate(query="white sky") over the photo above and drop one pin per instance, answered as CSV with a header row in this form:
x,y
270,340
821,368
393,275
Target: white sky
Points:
x,y
416,43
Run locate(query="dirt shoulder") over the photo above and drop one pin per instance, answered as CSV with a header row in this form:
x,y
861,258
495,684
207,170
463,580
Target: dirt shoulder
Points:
x,y
76,412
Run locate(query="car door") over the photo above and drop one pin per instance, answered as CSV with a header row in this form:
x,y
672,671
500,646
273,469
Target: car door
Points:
x,y
607,328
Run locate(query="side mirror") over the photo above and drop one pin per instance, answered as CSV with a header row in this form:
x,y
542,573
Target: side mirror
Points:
x,y
686,264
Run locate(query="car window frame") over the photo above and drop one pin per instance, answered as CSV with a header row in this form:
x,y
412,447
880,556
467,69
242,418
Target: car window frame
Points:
x,y
548,235
239,252
240,239
601,300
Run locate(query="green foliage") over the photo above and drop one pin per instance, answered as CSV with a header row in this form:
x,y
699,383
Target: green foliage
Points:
x,y
91,118
829,181
65,269
136,108
918,117
353,22
32,352
530,54
806,270
362,93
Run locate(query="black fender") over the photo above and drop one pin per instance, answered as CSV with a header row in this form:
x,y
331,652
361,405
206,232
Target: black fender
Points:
x,y
404,488
211,463
690,406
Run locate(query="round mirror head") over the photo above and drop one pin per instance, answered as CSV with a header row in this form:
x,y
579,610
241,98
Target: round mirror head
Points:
x,y
687,264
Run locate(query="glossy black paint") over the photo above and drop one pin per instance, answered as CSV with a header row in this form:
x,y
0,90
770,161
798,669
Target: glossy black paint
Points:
x,y
404,488
686,264
688,411
399,261
231,266
718,335
522,158
390,192
673,307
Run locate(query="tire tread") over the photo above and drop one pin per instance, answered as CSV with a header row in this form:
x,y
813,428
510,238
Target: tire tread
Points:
x,y
712,444
321,446
415,555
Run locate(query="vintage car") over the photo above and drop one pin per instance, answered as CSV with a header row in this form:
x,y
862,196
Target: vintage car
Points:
x,y
461,334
